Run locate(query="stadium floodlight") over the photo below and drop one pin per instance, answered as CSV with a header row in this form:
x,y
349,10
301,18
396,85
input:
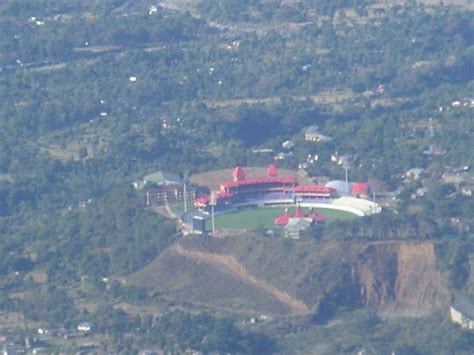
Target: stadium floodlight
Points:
x,y
345,162
185,196
213,203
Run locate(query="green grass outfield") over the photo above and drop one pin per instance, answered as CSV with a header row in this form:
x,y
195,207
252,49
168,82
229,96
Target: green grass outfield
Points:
x,y
253,218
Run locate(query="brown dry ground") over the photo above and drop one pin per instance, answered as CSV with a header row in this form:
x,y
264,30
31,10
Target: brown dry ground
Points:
x,y
251,274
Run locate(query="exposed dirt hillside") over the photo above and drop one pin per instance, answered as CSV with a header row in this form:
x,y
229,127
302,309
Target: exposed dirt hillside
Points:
x,y
401,276
277,276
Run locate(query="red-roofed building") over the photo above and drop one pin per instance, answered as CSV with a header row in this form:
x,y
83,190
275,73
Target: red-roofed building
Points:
x,y
203,201
285,218
272,187
272,171
238,174
310,192
259,185
360,189
299,213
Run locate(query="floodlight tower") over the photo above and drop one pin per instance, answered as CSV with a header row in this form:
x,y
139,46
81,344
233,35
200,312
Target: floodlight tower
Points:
x,y
185,195
346,166
213,202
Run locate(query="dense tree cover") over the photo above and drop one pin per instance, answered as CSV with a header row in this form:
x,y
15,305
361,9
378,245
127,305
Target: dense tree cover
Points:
x,y
202,332
256,11
50,304
112,235
37,36
120,96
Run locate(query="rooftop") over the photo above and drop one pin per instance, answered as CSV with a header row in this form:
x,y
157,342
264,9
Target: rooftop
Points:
x,y
314,188
312,129
297,224
269,180
163,178
465,307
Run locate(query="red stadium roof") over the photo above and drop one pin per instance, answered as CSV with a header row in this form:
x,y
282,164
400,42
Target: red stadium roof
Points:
x,y
313,188
299,212
238,174
285,218
360,188
202,200
281,180
272,170
207,198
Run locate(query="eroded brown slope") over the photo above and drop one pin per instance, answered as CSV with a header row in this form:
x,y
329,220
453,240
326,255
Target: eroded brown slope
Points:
x,y
401,275
280,276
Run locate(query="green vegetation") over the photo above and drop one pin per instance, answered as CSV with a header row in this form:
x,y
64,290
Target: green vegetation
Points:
x,y
263,217
207,334
359,330
96,93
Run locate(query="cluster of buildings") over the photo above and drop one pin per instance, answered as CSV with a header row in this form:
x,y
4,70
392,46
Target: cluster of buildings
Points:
x,y
163,187
270,190
44,341
294,224
274,190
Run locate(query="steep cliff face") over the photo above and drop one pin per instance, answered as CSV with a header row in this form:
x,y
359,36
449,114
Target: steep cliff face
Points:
x,y
401,275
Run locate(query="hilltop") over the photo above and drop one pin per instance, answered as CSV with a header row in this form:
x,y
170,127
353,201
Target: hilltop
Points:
x,y
95,94
390,275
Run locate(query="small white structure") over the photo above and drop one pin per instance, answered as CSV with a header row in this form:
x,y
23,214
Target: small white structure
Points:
x,y
462,313
415,174
152,10
312,134
283,156
85,327
295,226
288,145
132,79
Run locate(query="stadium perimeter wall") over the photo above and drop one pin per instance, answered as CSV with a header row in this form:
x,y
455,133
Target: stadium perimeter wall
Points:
x,y
334,207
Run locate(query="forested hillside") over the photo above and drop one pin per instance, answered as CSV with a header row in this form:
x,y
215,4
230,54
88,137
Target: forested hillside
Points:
x,y
95,94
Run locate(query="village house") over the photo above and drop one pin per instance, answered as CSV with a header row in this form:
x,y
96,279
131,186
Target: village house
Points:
x,y
162,187
415,174
312,134
85,327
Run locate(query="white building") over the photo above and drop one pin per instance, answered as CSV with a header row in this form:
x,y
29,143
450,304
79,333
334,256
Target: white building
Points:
x,y
295,226
288,145
312,134
462,313
85,327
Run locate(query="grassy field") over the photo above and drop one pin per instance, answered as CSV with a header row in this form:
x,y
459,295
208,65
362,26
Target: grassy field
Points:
x,y
253,218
